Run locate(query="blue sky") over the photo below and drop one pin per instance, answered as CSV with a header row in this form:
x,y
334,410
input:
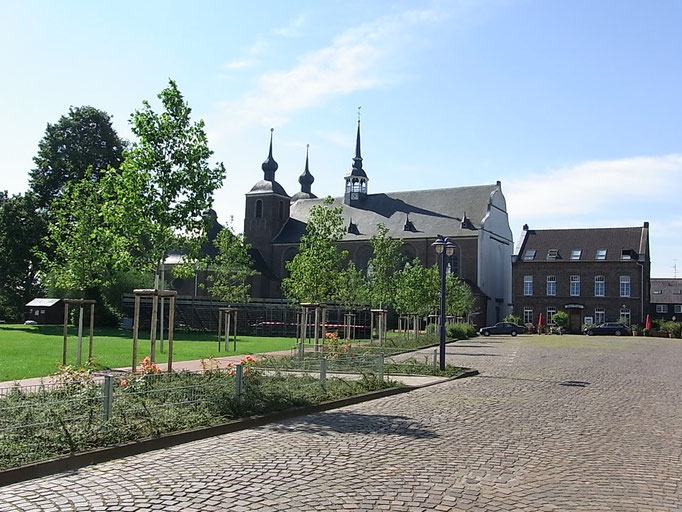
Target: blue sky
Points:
x,y
574,106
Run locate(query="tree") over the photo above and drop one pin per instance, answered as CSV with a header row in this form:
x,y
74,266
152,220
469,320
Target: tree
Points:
x,y
81,249
353,288
384,264
416,289
21,229
232,267
458,297
81,140
315,272
164,184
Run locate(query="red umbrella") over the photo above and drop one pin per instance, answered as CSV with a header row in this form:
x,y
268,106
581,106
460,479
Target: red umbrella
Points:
x,y
647,323
540,320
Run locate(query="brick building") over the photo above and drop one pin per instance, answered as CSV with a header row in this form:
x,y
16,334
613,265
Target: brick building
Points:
x,y
666,299
594,275
475,218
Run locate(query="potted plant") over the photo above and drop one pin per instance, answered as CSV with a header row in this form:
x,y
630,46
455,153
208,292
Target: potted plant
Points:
x,y
635,329
561,320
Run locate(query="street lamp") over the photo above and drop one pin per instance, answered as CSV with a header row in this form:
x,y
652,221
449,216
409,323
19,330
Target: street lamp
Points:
x,y
443,247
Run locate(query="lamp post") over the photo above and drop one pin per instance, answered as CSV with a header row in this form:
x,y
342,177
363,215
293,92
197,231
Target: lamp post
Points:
x,y
443,247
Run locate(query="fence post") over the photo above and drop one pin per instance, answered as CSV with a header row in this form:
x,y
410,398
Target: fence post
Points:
x,y
323,371
380,361
108,392
435,359
239,381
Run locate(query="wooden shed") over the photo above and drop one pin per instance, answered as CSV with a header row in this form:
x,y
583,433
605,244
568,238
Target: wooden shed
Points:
x,y
45,311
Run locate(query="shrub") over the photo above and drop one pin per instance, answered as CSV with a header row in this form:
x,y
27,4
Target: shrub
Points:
x,y
513,319
673,328
561,319
460,331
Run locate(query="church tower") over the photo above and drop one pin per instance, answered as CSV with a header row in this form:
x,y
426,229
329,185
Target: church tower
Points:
x,y
306,180
267,208
356,179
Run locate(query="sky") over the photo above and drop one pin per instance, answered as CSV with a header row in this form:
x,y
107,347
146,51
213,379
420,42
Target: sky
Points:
x,y
574,106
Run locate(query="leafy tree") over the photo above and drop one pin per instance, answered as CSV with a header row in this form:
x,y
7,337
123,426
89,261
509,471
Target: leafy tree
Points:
x,y
81,140
353,288
416,289
21,229
164,184
384,264
458,297
232,267
315,272
82,249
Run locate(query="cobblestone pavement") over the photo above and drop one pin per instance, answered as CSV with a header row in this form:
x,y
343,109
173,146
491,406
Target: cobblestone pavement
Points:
x,y
552,423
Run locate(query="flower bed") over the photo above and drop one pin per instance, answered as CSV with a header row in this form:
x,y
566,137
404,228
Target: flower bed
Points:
x,y
73,416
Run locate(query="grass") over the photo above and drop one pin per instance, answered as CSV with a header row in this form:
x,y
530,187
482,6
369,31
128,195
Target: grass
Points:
x,y
35,350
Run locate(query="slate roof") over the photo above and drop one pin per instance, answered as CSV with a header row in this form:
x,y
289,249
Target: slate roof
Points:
x,y
614,240
268,187
670,291
430,212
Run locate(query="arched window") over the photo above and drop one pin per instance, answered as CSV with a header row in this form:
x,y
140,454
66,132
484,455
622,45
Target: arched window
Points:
x,y
452,263
259,209
281,209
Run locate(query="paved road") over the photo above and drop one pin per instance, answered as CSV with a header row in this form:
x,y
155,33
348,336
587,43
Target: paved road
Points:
x,y
553,423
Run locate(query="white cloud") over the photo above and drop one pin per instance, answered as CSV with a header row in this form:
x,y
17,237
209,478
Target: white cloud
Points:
x,y
589,187
293,28
352,62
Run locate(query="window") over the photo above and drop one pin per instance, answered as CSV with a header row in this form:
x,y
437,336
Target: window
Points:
x,y
661,308
626,254
678,308
601,254
625,316
575,286
677,292
599,316
37,312
551,285
599,286
550,315
624,286
281,209
575,254
530,255
657,292
552,254
528,285
259,209
588,320
528,316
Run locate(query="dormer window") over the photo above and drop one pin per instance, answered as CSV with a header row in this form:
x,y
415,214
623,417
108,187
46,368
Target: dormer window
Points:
x,y
575,254
626,254
601,254
553,254
530,255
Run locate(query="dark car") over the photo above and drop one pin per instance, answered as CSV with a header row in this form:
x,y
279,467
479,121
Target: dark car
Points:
x,y
608,328
502,328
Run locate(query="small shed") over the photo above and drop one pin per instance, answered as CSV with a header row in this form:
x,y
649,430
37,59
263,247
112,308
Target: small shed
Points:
x,y
45,311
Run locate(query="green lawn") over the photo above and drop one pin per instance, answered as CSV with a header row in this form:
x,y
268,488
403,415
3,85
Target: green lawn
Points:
x,y
35,350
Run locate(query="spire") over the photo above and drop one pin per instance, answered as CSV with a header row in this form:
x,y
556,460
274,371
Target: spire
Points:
x,y
269,166
357,160
306,179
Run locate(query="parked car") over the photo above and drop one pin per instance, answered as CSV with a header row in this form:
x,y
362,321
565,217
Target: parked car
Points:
x,y
608,328
502,328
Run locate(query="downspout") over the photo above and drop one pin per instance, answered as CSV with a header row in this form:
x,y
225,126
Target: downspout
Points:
x,y
641,293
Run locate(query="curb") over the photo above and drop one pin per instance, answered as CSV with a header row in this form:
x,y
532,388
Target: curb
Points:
x,y
82,459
